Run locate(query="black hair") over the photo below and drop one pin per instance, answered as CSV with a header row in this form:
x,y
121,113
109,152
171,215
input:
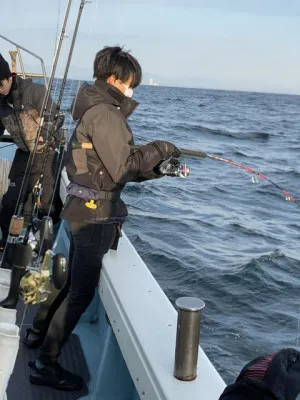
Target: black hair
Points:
x,y
7,76
116,61
5,72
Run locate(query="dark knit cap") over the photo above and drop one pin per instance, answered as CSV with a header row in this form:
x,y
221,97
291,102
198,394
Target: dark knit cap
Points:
x,y
4,68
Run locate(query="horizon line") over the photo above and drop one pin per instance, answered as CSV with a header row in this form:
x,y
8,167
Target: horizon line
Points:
x,y
284,93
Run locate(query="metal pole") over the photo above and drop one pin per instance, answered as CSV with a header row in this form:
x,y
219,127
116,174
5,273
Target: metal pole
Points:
x,y
63,84
187,339
22,195
22,65
29,52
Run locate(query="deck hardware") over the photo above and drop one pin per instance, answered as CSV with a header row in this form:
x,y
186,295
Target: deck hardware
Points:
x,y
187,337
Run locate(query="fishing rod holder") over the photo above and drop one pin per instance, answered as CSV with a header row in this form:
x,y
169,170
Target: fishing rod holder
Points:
x,y
187,337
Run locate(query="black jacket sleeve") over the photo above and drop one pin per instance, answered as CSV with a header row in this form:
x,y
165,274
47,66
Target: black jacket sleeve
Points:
x,y
111,141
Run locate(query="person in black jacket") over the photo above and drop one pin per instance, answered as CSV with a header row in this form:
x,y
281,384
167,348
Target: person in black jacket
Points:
x,y
270,377
20,108
94,208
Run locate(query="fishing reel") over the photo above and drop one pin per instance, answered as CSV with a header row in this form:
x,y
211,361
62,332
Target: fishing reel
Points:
x,y
48,268
35,269
173,167
36,285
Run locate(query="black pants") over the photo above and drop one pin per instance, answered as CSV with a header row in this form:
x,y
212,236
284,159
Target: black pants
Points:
x,y
89,243
16,176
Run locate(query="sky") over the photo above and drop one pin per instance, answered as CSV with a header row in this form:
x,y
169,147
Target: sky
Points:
x,y
220,44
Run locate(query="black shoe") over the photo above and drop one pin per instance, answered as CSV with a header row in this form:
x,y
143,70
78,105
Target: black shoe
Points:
x,y
54,375
33,338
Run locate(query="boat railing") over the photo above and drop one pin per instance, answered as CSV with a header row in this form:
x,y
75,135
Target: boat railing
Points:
x,y
16,54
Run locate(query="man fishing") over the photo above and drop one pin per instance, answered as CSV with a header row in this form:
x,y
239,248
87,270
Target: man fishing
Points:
x,y
94,208
21,103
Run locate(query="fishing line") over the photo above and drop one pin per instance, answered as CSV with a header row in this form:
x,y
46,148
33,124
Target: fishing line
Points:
x,y
255,175
57,25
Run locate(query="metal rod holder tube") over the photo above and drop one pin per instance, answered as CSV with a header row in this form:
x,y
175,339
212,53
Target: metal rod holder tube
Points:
x,y
187,338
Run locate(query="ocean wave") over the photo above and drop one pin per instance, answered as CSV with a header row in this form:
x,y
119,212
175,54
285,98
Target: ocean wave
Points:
x,y
217,131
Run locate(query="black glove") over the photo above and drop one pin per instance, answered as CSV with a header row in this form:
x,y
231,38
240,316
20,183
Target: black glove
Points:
x,y
166,149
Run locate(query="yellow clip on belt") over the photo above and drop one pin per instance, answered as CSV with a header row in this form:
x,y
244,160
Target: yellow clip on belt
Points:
x,y
91,204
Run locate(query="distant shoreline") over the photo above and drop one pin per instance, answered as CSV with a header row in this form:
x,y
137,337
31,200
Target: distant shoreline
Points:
x,y
199,88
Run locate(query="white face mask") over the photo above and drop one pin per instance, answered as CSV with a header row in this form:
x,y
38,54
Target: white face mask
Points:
x,y
128,91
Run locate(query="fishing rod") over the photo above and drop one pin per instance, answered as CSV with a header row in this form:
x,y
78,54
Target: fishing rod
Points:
x,y
255,174
61,147
62,144
202,154
34,286
17,220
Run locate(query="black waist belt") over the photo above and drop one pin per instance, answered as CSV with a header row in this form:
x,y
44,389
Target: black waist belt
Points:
x,y
102,195
90,194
